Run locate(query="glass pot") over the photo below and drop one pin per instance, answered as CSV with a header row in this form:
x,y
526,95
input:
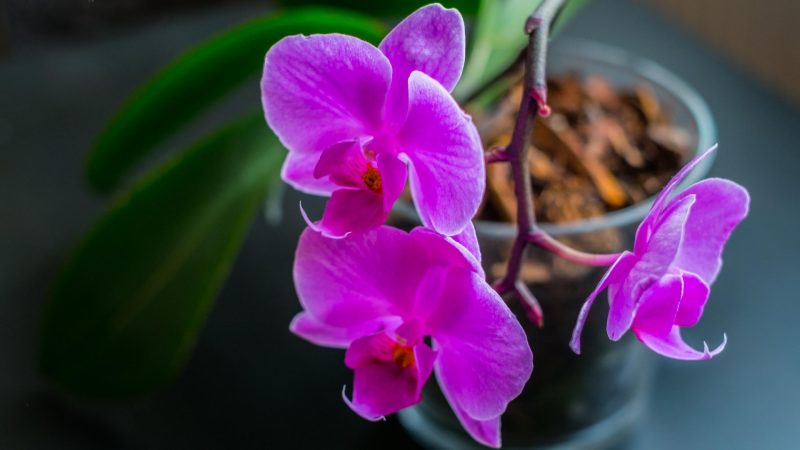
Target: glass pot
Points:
x,y
589,401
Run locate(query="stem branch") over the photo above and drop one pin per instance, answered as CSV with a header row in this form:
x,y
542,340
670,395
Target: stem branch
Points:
x,y
547,242
534,101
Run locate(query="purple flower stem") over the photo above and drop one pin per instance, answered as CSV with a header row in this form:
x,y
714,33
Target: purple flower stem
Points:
x,y
547,242
516,153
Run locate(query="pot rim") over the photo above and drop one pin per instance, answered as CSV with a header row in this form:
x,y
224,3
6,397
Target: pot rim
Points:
x,y
654,73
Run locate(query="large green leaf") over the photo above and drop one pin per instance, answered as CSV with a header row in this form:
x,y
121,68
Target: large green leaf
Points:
x,y
126,309
498,38
198,79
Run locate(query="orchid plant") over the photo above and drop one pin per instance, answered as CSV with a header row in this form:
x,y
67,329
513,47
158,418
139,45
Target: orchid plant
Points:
x,y
360,121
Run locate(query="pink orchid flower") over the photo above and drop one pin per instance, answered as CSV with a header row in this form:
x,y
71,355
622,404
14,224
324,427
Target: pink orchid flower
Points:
x,y
355,118
382,293
664,283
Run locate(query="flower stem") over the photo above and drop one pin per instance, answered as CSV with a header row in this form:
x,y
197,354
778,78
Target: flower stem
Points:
x,y
547,242
534,101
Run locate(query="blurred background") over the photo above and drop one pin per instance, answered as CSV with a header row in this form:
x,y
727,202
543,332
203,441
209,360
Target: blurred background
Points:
x,y
759,37
67,65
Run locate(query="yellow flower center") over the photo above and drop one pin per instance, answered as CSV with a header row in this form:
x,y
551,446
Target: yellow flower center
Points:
x,y
372,179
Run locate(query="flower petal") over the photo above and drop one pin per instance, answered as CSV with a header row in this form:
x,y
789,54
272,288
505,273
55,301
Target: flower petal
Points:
x,y
656,260
658,306
647,225
719,207
425,358
352,211
431,40
318,333
487,432
393,178
359,409
429,293
673,346
447,251
366,276
446,157
484,357
665,242
323,89
469,240
382,385
695,296
616,274
298,171
310,329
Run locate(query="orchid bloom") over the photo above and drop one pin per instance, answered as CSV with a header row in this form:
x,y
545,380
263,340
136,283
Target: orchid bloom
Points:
x,y
382,293
664,283
355,118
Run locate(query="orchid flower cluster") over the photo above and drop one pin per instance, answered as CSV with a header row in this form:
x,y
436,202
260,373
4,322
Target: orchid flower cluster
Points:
x,y
360,123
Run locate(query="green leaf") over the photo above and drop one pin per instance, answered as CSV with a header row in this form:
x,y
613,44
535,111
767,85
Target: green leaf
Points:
x,y
126,309
498,39
198,79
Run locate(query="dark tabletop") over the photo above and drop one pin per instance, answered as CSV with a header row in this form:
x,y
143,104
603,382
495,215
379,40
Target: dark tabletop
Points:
x,y
251,384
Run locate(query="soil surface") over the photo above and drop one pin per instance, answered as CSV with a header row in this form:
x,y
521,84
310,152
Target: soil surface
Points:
x,y
600,150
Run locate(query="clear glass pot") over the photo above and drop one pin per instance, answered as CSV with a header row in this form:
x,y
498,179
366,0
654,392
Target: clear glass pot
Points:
x,y
575,402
